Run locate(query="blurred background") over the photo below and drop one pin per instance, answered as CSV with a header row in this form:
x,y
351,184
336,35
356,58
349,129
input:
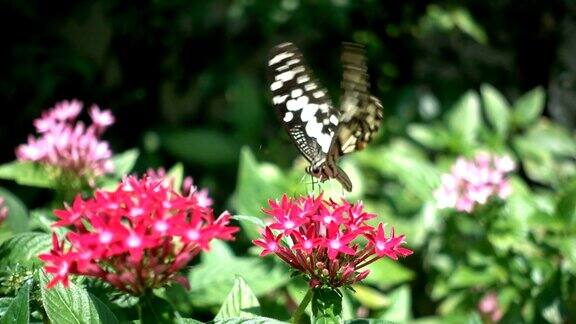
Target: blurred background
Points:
x,y
186,79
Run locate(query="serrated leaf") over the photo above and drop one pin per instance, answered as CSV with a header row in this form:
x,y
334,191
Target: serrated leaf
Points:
x,y
17,220
5,302
240,302
464,118
19,309
528,107
24,249
497,109
211,281
72,304
400,307
27,174
124,162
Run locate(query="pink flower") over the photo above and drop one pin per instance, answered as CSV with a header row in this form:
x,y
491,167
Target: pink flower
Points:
x,y
327,241
489,308
101,119
474,182
188,187
136,237
3,210
69,145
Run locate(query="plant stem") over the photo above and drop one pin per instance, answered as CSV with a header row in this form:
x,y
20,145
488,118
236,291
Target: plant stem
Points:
x,y
302,307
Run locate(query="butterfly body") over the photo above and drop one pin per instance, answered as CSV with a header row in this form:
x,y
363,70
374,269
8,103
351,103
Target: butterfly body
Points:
x,y
321,132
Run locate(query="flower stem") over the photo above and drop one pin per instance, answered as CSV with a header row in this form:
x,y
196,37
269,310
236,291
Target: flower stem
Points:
x,y
300,310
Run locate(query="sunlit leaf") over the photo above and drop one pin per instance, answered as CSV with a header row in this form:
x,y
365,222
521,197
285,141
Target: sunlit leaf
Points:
x,y
528,107
240,302
497,109
27,173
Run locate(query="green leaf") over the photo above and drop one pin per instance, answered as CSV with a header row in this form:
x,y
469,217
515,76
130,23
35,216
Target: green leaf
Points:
x,y
211,281
208,147
156,310
17,220
401,303
368,321
256,184
466,23
326,305
176,174
497,109
72,304
241,320
370,297
250,219
528,107
566,207
386,272
240,302
24,249
182,320
124,162
5,302
19,310
27,174
428,136
464,118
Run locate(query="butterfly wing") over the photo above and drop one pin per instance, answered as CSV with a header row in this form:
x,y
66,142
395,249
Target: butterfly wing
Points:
x,y
360,112
302,104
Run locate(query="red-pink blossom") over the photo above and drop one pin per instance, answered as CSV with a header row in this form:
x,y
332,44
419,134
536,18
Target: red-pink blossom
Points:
x,y
68,144
329,242
136,237
474,182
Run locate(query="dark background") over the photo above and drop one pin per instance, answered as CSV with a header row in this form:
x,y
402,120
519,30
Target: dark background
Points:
x,y
186,79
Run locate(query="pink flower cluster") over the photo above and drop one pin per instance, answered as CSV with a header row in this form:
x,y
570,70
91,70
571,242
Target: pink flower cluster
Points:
x,y
489,308
188,186
322,239
3,210
70,145
473,182
136,237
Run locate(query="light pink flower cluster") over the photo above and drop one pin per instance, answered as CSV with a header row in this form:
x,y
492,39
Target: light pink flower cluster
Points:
x,y
136,237
489,308
68,144
473,182
329,242
188,187
3,210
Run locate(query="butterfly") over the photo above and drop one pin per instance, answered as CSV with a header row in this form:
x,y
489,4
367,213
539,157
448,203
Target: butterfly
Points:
x,y
321,132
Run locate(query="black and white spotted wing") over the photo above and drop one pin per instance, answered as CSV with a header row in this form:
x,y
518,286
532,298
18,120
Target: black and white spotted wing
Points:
x,y
302,104
360,112
321,132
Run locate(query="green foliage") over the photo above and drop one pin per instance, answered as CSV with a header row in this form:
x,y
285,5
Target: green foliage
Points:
x,y
18,310
240,302
72,304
